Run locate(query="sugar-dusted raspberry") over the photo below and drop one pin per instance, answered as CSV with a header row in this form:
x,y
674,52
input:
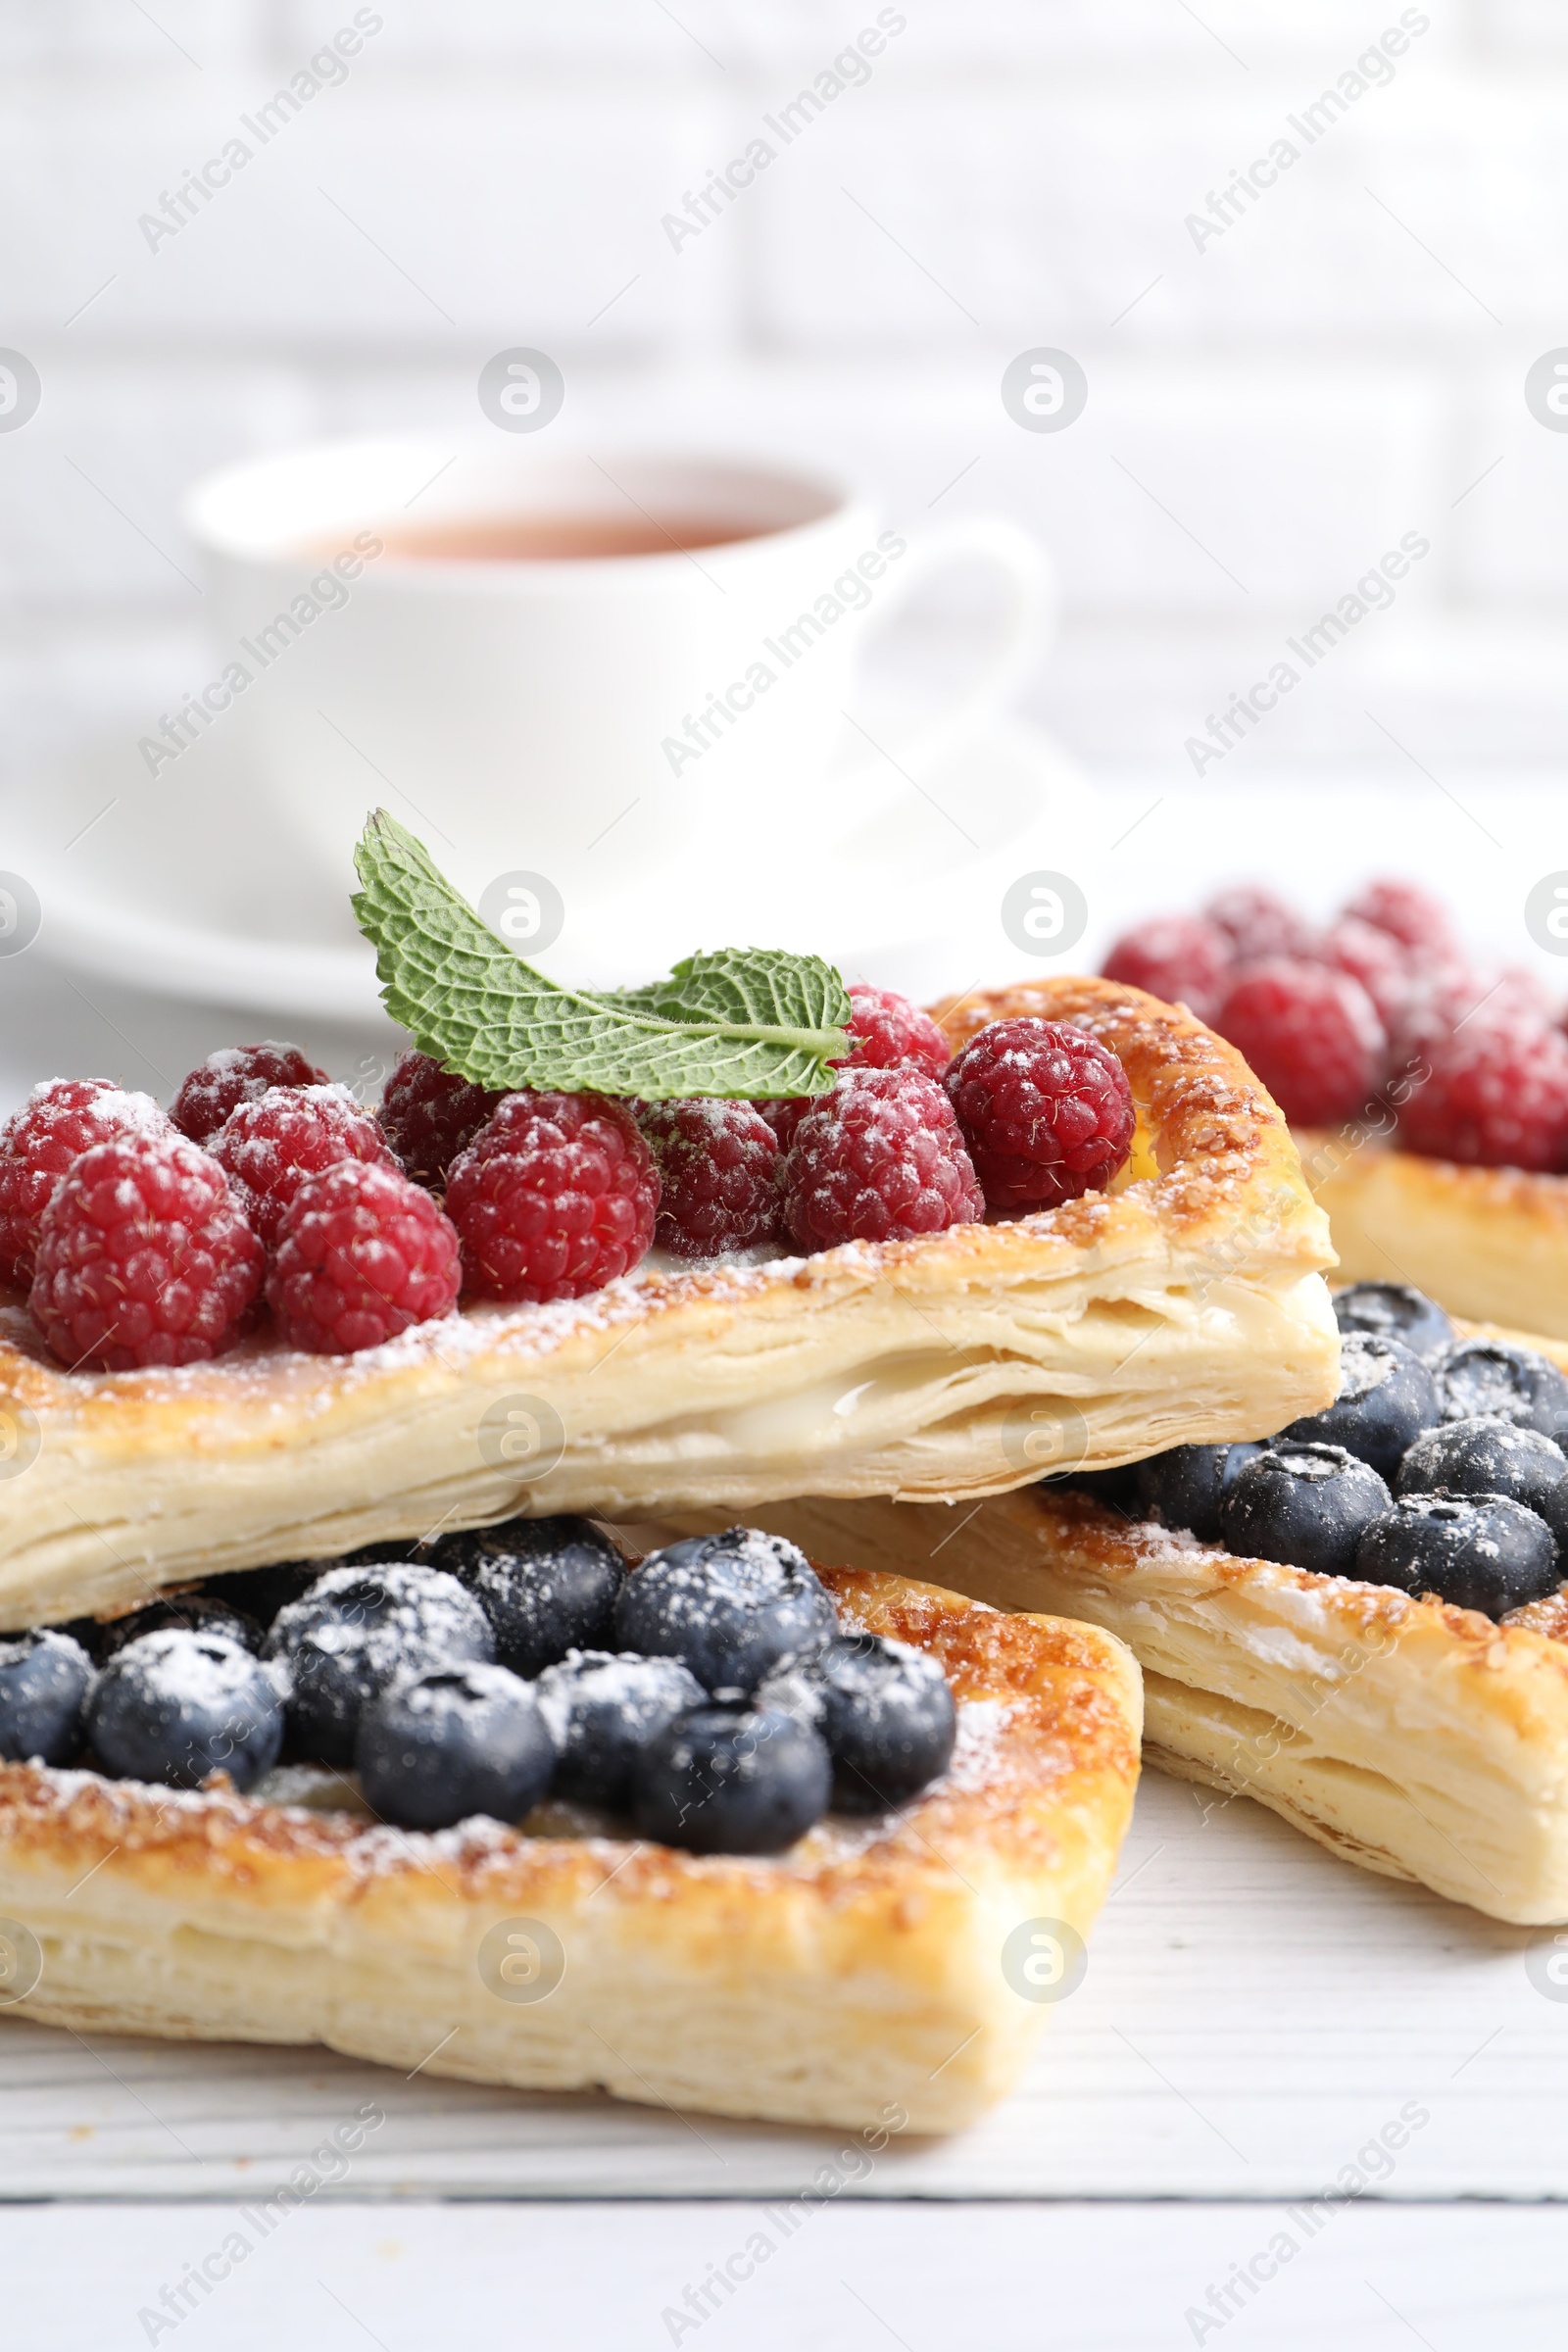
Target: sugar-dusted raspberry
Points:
x,y
362,1252
1443,997
1047,1113
555,1197
269,1146
878,1159
1420,923
1496,1097
1258,922
60,1119
144,1258
429,1114
1375,958
1178,958
233,1075
784,1114
889,1033
1312,1034
719,1170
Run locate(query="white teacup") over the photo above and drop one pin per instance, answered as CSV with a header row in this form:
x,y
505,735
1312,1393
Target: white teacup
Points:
x,y
567,663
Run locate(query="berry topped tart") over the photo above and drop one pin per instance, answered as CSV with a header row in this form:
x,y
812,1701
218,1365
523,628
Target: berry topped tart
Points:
x,y
738,1235
1363,1622
716,1829
1440,1081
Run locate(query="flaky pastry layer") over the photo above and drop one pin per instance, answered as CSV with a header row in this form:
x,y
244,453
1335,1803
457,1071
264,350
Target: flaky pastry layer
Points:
x,y
1187,1305
863,1971
1419,1740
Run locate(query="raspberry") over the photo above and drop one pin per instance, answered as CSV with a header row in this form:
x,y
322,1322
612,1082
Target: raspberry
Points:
x,y
1455,997
555,1197
784,1114
878,1159
362,1252
144,1258
1497,1097
1178,958
1375,958
267,1148
892,1034
1047,1113
1257,924
60,1119
233,1075
1312,1036
889,1033
429,1114
1417,920
718,1168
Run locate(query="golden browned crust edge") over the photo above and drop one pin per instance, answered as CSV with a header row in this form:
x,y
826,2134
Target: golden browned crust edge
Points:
x,y
889,1933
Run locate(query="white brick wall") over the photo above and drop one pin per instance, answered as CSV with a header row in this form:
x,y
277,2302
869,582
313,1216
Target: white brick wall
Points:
x,y
1341,366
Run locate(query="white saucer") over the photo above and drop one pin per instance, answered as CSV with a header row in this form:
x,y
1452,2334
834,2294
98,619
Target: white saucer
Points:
x,y
122,865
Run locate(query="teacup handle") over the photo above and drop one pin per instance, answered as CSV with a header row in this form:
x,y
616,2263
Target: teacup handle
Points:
x,y
1023,632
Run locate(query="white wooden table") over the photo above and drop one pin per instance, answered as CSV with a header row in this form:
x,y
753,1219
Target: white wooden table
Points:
x,y
1255,2014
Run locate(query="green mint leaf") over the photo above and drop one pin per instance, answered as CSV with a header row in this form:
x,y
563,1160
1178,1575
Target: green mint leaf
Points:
x,y
737,1022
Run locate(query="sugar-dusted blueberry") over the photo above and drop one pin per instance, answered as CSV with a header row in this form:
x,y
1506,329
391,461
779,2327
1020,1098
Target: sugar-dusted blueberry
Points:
x,y
1306,1505
603,1711
1185,1485
44,1681
1385,1399
1393,1310
441,1746
195,1613
731,1608
1181,1488
1480,1551
1478,1377
356,1631
732,1781
888,1719
546,1584
1484,1456
177,1705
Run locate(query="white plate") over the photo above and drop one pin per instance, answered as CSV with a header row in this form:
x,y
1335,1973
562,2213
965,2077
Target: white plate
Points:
x,y
183,888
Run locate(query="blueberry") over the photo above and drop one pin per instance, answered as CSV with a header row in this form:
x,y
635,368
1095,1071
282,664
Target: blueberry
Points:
x,y
732,1781
1306,1505
1114,1490
1477,1377
1485,1457
177,1705
260,1592
888,1719
1391,1310
1181,1488
1385,1399
731,1608
1185,1485
439,1747
1554,1509
193,1612
603,1711
354,1633
44,1678
546,1584
1481,1552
